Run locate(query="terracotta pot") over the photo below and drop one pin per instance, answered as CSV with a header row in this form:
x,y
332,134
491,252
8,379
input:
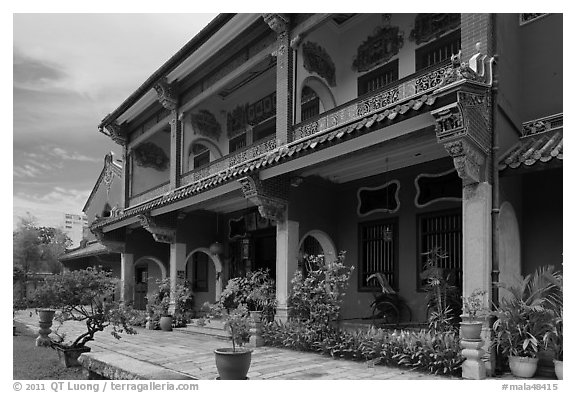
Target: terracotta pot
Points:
x,y
166,323
470,330
559,369
233,365
523,367
69,356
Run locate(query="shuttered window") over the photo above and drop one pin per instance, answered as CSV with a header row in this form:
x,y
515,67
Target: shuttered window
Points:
x,y
378,78
443,230
378,246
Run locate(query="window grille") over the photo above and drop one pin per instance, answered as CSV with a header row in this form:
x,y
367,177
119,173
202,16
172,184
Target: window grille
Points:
x,y
310,106
443,230
437,51
378,78
378,246
237,143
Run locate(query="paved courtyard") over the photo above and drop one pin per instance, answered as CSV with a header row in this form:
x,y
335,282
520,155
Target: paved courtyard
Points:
x,y
191,354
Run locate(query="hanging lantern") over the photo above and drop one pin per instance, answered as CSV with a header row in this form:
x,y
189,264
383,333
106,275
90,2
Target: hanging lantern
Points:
x,y
216,248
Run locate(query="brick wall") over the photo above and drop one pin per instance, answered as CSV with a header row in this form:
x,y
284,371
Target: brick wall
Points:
x,y
476,28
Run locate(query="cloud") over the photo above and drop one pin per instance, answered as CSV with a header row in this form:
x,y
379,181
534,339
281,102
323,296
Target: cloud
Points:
x,y
34,74
59,152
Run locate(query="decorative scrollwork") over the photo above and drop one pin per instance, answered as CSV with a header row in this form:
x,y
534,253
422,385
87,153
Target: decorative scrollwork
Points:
x,y
117,133
317,60
167,95
277,22
161,234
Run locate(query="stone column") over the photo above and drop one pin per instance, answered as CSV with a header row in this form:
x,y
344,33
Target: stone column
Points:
x,y
177,262
127,278
287,238
168,97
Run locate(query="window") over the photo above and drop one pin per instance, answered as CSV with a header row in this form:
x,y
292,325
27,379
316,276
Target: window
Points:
x,y
378,250
201,155
437,51
200,272
444,230
378,78
310,105
237,143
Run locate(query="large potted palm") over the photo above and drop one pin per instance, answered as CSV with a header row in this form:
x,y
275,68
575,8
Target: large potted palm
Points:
x,y
523,319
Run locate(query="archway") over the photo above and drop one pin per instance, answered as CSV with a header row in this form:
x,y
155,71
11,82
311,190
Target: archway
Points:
x,y
316,240
323,92
147,270
202,151
209,286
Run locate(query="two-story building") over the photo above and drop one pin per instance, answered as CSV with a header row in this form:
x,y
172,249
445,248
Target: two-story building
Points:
x,y
269,136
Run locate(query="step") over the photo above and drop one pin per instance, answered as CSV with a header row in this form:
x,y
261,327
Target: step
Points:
x,y
213,328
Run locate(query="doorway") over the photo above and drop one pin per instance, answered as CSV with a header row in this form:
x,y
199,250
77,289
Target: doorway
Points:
x,y
265,250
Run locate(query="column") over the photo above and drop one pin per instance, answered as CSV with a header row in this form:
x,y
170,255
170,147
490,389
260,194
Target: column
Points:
x,y
177,262
127,278
287,238
175,150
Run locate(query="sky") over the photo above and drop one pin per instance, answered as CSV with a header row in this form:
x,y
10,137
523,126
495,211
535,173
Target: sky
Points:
x,y
69,72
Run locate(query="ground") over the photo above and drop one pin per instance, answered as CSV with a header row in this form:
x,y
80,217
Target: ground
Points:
x,y
32,363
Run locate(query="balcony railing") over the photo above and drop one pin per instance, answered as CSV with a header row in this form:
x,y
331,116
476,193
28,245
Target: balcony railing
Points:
x,y
403,90
149,194
238,157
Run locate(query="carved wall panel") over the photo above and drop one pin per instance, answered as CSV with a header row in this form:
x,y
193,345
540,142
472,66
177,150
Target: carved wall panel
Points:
x,y
317,60
378,48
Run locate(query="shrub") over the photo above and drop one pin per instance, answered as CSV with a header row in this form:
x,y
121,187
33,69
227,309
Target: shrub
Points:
x,y
317,297
87,296
159,302
433,352
256,292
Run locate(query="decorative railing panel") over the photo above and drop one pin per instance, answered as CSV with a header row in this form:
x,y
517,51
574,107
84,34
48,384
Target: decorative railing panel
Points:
x,y
236,158
401,91
147,195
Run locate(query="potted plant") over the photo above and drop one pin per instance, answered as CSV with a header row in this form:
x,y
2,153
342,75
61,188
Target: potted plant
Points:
x,y
554,338
471,329
524,318
159,306
234,363
85,296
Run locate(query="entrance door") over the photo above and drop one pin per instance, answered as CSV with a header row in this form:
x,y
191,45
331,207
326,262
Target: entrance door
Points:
x,y
141,287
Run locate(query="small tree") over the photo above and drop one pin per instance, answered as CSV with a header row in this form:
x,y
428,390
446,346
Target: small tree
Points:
x,y
86,296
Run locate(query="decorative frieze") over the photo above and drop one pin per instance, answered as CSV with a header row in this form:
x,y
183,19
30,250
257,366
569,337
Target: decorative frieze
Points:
x,y
549,123
527,18
204,123
250,114
145,196
167,95
378,48
161,234
462,70
150,155
430,26
317,60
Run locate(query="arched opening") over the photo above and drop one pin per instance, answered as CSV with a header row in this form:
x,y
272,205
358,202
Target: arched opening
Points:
x,y
147,270
315,243
204,275
201,152
315,98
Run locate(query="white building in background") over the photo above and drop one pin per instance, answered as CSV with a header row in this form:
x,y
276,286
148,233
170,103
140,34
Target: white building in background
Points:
x,y
73,226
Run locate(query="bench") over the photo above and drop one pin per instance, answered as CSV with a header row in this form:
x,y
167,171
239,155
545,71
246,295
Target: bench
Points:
x,y
112,365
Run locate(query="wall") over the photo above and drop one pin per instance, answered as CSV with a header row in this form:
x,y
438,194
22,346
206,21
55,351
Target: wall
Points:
x,y
541,46
145,178
102,196
542,220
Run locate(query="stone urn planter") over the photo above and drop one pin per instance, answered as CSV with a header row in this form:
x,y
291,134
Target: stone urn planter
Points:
x,y
256,339
69,356
166,323
470,330
559,368
46,317
523,367
233,364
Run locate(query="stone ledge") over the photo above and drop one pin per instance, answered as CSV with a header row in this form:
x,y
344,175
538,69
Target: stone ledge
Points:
x,y
118,366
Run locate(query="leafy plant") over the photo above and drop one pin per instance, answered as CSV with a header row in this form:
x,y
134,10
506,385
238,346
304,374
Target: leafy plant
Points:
x,y
524,318
256,291
474,304
159,303
236,321
87,296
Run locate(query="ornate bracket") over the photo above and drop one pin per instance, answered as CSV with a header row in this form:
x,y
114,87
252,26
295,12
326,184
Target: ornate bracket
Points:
x,y
117,133
474,70
269,207
109,242
464,129
161,234
167,95
277,22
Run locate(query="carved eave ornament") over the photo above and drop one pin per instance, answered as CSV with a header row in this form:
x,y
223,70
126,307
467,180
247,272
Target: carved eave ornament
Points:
x,y
117,133
112,245
269,207
477,71
277,22
167,94
161,234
